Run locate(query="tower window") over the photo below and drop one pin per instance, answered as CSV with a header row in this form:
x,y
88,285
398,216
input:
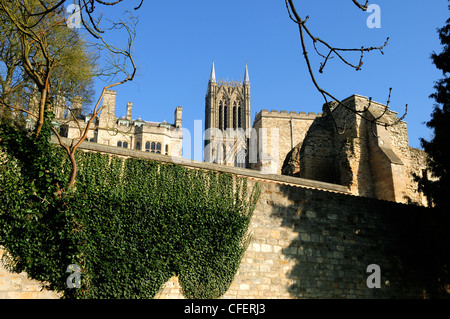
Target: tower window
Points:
x,y
138,146
239,116
147,146
234,115
225,126
153,147
167,149
220,115
158,148
119,144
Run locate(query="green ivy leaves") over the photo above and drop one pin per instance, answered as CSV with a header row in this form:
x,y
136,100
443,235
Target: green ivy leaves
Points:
x,y
130,224
156,221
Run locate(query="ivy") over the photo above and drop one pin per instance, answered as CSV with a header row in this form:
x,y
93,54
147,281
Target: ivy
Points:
x,y
130,224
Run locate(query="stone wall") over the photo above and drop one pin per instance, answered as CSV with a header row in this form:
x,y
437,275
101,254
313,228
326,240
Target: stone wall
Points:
x,y
309,243
19,286
283,131
310,239
372,160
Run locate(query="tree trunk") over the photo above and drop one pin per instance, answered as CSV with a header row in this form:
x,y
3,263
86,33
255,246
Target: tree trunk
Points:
x,y
44,94
73,174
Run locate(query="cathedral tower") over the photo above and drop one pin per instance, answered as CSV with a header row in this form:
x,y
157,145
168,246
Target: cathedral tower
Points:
x,y
227,120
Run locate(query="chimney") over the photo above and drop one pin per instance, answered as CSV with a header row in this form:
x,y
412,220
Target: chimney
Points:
x,y
129,108
77,103
108,115
178,116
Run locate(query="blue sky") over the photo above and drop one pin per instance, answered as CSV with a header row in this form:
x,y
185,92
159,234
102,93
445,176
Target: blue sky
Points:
x,y
177,41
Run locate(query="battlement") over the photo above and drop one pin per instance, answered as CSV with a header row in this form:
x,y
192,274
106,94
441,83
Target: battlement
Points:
x,y
230,83
287,115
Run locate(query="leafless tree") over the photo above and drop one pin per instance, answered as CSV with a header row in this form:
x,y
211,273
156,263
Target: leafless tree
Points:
x,y
31,20
340,53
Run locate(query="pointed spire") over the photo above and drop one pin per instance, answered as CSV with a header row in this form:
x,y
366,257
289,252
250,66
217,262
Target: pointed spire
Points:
x,y
246,78
212,76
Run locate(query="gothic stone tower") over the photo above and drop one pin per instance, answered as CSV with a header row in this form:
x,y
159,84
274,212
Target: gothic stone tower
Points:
x,y
227,120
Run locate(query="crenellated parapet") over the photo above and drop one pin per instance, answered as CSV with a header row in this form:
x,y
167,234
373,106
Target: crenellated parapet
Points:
x,y
287,115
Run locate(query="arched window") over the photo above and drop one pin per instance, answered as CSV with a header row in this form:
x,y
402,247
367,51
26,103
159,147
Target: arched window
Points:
x,y
239,160
152,149
226,115
125,145
234,115
158,148
119,144
167,149
220,115
239,116
138,146
147,146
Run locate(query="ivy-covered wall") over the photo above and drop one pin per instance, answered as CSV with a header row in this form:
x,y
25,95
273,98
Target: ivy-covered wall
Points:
x,y
316,243
129,224
307,239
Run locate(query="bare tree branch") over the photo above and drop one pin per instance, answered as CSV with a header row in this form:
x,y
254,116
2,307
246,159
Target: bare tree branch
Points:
x,y
38,61
362,7
295,17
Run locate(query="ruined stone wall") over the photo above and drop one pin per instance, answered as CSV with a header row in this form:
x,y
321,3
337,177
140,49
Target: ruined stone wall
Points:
x,y
416,165
372,160
283,131
318,153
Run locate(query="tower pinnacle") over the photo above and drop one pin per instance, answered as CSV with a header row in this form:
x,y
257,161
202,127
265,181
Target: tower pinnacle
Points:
x,y
246,78
212,76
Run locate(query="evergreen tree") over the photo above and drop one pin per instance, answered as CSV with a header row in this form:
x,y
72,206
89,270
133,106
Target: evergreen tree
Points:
x,y
432,229
437,186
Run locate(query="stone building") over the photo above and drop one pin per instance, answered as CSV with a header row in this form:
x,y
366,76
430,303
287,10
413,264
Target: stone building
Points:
x,y
336,146
276,135
371,160
227,120
156,137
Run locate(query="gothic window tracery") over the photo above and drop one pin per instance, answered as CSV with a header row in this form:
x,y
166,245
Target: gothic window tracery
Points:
x,y
226,115
234,115
220,115
239,116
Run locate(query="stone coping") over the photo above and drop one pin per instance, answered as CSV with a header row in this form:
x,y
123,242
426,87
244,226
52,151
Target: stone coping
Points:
x,y
280,179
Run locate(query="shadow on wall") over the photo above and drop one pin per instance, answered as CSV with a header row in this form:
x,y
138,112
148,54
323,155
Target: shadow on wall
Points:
x,y
339,236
